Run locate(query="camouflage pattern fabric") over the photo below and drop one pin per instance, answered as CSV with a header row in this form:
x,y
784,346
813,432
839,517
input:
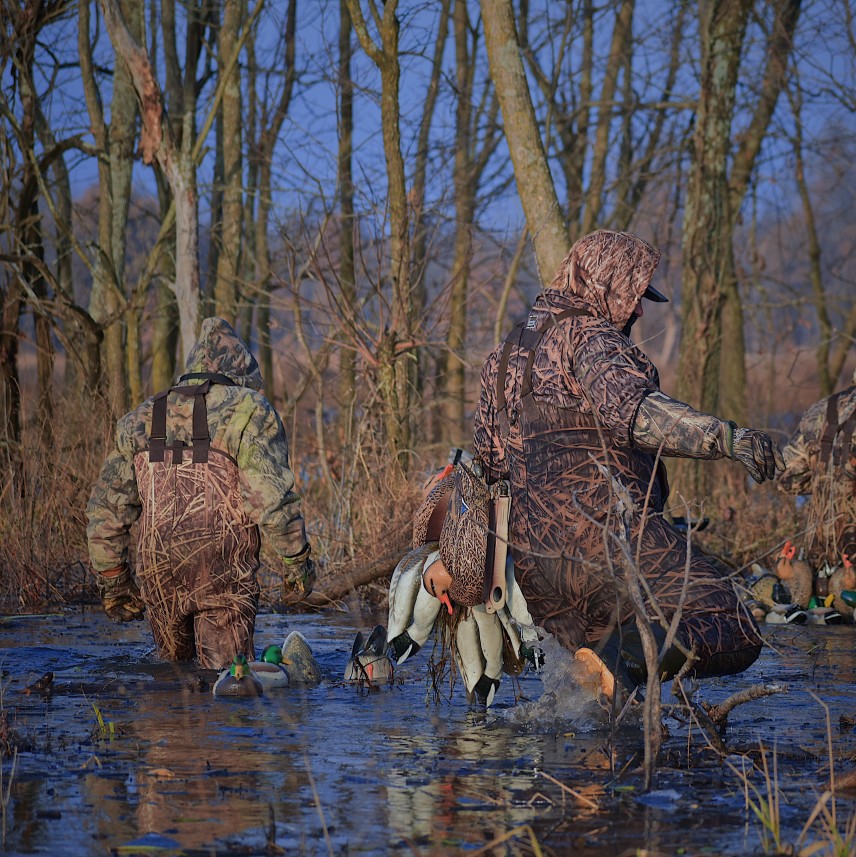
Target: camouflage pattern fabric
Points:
x,y
197,558
830,480
245,486
424,520
463,539
580,488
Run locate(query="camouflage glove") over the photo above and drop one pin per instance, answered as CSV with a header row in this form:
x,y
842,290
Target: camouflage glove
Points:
x,y
486,644
755,450
665,425
120,595
299,578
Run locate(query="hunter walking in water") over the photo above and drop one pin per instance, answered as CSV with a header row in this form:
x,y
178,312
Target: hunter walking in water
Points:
x,y
205,468
572,413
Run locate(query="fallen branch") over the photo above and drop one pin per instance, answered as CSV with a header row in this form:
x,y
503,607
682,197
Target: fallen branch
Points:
x,y
719,713
334,587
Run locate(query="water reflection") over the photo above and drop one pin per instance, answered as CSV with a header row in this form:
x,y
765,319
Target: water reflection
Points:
x,y
382,772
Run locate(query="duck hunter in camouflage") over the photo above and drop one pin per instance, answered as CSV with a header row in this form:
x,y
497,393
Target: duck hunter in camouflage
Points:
x,y
204,467
572,413
820,460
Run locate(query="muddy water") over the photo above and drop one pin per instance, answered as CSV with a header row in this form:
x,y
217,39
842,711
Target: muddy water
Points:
x,y
337,770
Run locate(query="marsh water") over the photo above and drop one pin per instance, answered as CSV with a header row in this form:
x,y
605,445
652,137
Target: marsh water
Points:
x,y
127,755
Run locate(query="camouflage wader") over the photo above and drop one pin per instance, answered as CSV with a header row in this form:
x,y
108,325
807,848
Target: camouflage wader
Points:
x,y
820,460
206,467
558,400
198,552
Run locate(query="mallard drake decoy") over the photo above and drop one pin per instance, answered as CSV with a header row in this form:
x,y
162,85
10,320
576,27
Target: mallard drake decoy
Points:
x,y
369,662
270,669
843,579
299,661
796,573
238,680
786,614
848,596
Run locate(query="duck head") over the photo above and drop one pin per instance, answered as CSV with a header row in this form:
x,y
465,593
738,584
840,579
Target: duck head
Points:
x,y
784,561
272,655
849,577
240,667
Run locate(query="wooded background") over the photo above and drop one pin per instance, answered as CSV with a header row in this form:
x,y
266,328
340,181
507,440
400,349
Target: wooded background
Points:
x,y
372,193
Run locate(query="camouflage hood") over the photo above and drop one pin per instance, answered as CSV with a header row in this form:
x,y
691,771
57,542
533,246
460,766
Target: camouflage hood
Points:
x,y
220,349
608,272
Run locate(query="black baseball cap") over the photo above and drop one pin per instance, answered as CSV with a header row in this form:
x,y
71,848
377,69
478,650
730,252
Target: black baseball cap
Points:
x,y
653,295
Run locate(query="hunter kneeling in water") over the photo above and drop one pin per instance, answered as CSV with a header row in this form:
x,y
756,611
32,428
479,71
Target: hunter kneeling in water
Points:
x,y
572,416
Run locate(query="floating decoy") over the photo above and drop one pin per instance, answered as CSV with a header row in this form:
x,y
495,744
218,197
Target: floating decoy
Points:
x,y
238,680
298,659
796,573
843,579
42,685
270,669
369,662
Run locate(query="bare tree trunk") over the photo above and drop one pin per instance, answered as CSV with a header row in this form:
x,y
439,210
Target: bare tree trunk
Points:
x,y
270,126
732,386
622,35
29,227
534,182
229,259
178,166
468,170
708,221
395,371
347,222
420,162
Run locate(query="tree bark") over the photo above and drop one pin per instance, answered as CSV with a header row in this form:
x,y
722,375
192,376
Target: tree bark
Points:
x,y
347,222
226,289
472,123
270,126
707,223
531,171
396,368
177,165
732,386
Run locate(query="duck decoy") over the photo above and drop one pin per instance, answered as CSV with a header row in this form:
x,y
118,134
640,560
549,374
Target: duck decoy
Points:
x,y
412,608
761,584
238,680
271,669
43,685
786,614
369,662
843,579
796,573
298,659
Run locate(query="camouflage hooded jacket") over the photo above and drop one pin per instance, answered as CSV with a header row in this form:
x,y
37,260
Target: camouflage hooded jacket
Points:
x,y
829,475
241,423
579,486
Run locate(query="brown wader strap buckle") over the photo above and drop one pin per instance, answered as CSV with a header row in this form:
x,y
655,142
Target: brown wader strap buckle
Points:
x,y
830,429
157,440
844,450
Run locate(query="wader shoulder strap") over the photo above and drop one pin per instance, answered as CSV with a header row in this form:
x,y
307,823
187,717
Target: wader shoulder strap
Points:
x,y
830,428
157,437
527,337
844,449
213,377
200,439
